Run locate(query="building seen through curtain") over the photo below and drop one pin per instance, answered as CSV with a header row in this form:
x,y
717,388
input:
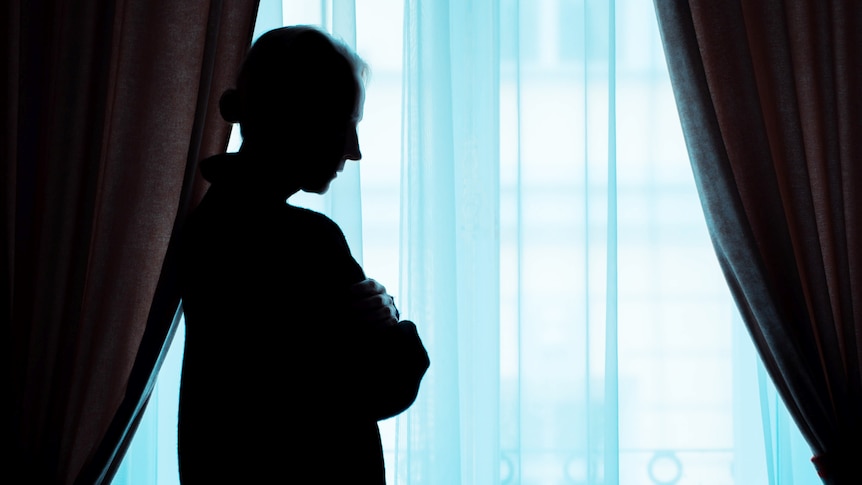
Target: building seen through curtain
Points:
x,y
526,195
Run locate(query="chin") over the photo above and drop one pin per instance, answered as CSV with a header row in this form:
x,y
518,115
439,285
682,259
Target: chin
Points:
x,y
317,189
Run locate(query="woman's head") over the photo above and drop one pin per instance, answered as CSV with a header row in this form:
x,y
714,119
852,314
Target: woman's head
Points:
x,y
293,75
299,96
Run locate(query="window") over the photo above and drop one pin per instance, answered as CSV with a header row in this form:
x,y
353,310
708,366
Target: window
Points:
x,y
615,344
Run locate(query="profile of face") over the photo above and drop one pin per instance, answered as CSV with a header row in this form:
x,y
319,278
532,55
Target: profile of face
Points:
x,y
325,153
299,100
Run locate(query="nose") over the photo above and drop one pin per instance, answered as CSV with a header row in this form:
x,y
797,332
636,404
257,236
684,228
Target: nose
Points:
x,y
351,146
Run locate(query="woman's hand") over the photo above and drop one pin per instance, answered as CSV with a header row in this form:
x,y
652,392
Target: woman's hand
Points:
x,y
372,305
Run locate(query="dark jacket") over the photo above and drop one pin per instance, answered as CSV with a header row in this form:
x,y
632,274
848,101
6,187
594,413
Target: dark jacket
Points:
x,y
279,383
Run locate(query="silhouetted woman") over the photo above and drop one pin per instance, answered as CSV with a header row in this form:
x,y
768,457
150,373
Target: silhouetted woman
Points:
x,y
292,355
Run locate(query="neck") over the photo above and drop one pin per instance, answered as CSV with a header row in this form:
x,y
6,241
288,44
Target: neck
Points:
x,y
266,173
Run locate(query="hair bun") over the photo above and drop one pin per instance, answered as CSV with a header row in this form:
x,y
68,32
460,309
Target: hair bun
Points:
x,y
229,106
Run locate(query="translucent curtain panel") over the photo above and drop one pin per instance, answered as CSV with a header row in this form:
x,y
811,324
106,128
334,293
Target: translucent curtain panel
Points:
x,y
544,204
152,455
344,204
560,243
450,239
619,359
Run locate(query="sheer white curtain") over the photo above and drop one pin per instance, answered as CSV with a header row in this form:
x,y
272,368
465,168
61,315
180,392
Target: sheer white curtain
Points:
x,y
525,194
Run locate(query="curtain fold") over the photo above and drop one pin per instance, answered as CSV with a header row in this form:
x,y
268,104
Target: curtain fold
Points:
x,y
109,106
450,252
768,96
344,205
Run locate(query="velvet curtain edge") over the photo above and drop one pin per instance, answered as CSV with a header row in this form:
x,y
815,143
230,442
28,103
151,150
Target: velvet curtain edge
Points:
x,y
780,337
166,309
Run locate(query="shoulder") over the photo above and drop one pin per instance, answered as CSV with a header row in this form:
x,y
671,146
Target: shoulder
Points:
x,y
311,217
320,227
324,244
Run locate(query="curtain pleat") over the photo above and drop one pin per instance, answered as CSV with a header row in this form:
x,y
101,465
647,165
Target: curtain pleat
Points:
x,y
344,205
428,266
110,107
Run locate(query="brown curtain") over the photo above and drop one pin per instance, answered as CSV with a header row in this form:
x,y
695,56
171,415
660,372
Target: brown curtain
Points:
x,y
770,98
108,106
